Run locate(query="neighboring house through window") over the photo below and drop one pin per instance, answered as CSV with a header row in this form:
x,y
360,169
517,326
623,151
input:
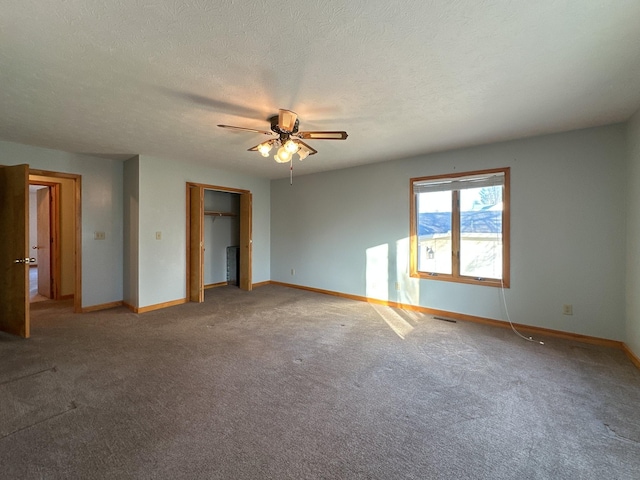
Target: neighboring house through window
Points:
x,y
460,227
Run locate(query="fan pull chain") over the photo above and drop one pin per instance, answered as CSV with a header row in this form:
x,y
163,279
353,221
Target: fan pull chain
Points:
x,y
291,172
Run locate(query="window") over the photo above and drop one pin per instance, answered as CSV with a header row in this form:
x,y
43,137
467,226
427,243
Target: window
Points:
x,y
460,227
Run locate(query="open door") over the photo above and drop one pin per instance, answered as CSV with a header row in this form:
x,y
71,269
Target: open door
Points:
x,y
14,250
44,241
196,244
246,282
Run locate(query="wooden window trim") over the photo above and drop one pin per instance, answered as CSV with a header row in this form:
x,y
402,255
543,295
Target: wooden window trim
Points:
x,y
455,227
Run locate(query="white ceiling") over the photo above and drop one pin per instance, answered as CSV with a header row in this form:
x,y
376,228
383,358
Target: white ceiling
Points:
x,y
155,77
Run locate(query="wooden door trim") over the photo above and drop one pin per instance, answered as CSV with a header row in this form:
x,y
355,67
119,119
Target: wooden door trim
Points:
x,y
246,242
195,257
43,242
56,232
77,180
218,188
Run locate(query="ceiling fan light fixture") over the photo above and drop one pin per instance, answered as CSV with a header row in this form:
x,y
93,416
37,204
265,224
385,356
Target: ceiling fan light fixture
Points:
x,y
289,140
303,152
283,156
265,148
291,146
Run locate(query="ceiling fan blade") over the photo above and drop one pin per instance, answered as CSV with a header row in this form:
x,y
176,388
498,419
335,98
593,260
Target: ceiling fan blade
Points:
x,y
287,120
246,129
323,135
312,151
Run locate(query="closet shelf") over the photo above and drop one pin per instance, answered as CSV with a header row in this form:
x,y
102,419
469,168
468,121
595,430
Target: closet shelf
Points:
x,y
220,214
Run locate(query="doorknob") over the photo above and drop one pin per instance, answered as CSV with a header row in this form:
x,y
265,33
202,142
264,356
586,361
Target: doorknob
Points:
x,y
36,247
25,260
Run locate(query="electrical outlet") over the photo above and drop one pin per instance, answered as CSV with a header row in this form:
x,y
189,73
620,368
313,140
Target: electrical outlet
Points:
x,y
99,235
567,309
398,286
293,271
158,235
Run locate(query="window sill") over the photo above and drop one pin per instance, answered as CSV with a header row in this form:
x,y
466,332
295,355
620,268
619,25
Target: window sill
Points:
x,y
488,282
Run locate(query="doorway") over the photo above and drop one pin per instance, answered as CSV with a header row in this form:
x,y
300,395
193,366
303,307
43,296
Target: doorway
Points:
x,y
64,236
44,240
15,252
218,238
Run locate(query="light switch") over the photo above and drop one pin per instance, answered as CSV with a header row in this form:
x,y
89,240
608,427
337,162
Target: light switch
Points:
x,y
158,235
99,235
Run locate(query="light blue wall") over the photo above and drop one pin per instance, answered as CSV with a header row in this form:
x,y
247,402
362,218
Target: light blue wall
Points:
x,y
347,231
633,237
131,220
153,191
101,211
162,272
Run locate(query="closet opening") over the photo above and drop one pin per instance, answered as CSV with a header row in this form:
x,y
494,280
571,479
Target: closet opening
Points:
x,y
218,239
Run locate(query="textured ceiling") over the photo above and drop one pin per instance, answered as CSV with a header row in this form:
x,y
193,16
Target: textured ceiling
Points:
x,y
155,77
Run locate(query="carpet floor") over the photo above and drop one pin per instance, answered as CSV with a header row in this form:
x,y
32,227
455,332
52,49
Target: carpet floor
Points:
x,y
281,383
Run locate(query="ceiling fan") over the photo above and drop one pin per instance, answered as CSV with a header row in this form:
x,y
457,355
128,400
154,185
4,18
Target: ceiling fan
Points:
x,y
288,139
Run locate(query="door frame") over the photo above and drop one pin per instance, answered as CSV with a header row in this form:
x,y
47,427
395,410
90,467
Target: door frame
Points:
x,y
77,203
54,235
195,279
195,243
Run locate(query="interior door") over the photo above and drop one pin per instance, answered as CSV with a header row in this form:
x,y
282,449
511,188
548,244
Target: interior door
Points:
x,y
14,250
44,241
246,282
196,244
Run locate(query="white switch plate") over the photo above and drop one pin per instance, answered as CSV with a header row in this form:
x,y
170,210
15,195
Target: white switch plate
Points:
x,y
567,309
158,235
99,235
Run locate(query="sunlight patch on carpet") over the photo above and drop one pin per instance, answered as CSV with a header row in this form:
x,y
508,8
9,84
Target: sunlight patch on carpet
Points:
x,y
399,325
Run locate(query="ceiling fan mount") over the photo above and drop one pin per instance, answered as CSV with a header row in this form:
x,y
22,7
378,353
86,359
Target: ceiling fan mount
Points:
x,y
275,126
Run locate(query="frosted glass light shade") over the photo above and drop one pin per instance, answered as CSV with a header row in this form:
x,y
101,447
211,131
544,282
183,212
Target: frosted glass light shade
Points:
x,y
264,149
303,152
283,156
291,146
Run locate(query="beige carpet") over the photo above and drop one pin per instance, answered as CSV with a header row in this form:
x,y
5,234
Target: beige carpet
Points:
x,y
286,384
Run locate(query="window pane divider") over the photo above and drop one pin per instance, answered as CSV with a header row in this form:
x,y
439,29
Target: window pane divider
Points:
x,y
455,233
